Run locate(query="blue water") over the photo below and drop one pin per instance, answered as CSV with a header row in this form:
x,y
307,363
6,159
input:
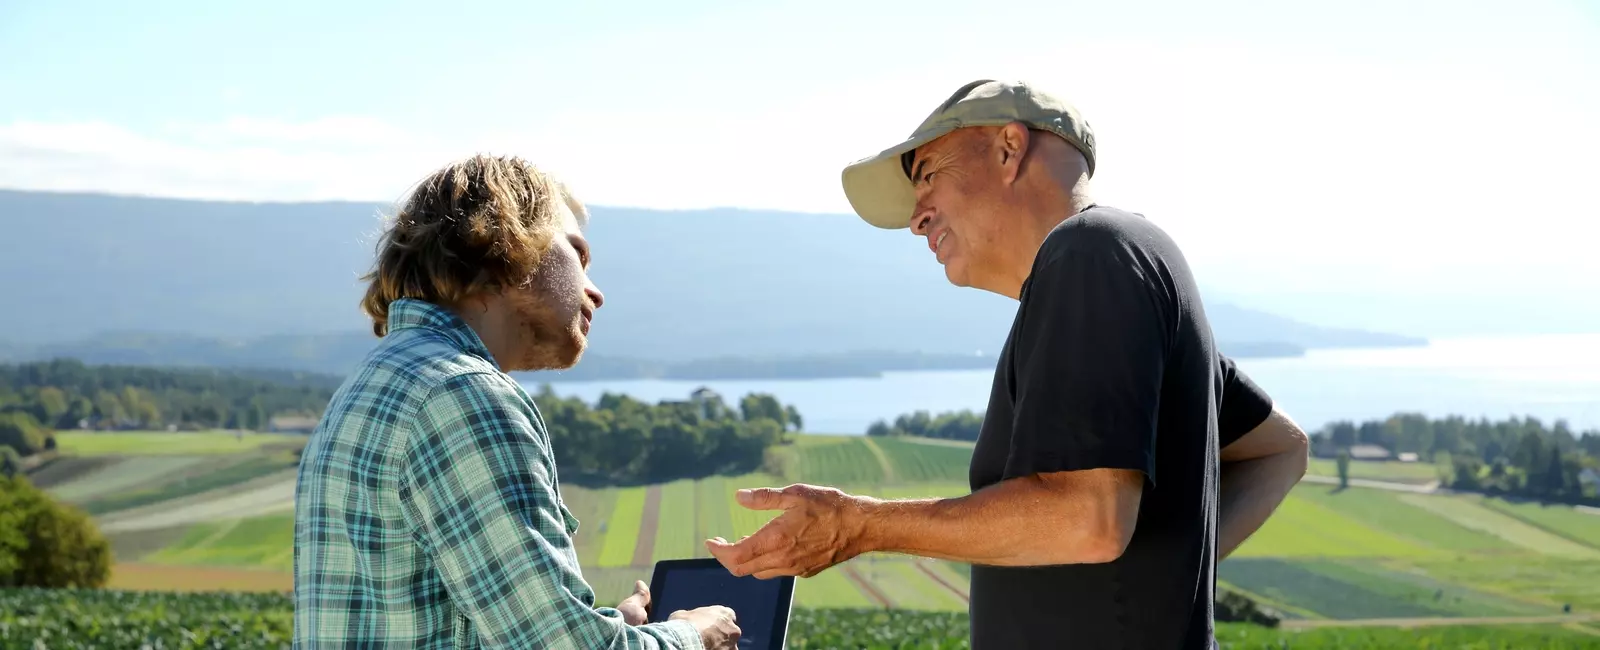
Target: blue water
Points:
x,y
1548,377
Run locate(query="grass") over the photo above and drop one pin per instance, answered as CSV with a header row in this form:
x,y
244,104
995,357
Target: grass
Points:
x,y
591,507
246,469
1556,581
265,542
1395,471
1304,528
1469,512
714,518
1325,554
151,443
907,587
123,474
622,529
919,490
1402,583
849,462
1385,510
1558,519
1318,591
121,619
918,462
828,589
677,535
1464,637
746,521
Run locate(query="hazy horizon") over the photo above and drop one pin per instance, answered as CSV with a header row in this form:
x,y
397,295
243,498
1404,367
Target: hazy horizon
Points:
x,y
1416,168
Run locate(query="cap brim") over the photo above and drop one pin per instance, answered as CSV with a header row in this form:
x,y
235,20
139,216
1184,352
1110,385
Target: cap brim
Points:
x,y
877,187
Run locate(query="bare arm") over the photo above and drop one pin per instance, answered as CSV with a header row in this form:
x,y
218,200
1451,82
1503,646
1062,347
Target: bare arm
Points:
x,y
1079,517
1073,517
1258,470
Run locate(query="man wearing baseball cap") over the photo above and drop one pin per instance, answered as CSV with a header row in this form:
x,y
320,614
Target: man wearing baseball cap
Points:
x,y
1121,456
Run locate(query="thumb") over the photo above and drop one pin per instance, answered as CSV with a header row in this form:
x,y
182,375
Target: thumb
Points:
x,y
765,499
641,590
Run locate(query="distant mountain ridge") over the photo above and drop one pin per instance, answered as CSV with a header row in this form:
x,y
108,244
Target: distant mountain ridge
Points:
x,y
143,280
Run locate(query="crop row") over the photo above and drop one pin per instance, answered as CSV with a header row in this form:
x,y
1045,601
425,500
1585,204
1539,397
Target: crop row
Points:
x,y
95,618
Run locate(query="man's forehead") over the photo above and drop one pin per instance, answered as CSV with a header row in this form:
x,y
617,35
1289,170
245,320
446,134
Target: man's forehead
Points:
x,y
910,159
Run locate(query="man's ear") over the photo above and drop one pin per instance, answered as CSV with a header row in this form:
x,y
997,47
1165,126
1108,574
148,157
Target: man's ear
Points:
x,y
1011,143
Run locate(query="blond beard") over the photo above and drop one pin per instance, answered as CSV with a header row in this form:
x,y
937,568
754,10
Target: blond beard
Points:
x,y
547,343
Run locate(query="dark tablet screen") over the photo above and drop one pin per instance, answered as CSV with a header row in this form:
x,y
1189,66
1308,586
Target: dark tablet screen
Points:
x,y
761,606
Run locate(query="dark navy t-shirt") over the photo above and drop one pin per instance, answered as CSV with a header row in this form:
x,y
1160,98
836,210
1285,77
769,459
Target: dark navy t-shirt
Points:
x,y
1111,364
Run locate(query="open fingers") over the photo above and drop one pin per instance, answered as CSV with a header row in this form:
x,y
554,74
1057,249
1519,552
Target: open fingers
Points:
x,y
770,565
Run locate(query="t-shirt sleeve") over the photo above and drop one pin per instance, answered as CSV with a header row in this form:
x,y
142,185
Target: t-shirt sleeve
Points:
x,y
1091,347
1244,404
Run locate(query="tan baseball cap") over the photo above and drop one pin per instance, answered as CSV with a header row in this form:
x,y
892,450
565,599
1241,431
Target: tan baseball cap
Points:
x,y
879,188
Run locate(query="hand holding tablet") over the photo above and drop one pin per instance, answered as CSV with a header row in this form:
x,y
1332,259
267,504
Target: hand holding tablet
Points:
x,y
680,588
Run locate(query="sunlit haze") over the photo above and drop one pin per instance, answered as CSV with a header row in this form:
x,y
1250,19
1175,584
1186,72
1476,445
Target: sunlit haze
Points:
x,y
1337,148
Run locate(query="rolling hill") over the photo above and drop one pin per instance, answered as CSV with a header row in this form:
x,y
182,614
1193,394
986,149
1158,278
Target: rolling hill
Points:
x,y
144,280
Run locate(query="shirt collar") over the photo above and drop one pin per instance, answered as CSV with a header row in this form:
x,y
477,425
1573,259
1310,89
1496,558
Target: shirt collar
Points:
x,y
407,313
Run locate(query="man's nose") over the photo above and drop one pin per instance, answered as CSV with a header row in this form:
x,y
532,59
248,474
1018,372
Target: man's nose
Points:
x,y
920,218
594,295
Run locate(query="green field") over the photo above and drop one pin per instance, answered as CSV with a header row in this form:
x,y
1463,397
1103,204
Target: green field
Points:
x,y
123,474
1470,513
621,529
1559,520
265,542
1303,527
1389,512
915,462
150,443
848,462
1395,471
247,467
100,618
1327,554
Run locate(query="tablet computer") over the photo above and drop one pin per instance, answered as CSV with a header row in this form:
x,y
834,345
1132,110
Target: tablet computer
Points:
x,y
761,606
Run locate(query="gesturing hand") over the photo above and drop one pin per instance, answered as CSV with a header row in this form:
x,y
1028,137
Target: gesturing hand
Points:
x,y
820,527
635,608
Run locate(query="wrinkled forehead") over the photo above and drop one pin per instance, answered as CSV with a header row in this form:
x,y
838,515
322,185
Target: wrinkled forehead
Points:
x,y
909,159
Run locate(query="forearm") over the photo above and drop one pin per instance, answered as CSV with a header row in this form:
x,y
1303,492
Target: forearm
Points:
x,y
1250,491
1028,521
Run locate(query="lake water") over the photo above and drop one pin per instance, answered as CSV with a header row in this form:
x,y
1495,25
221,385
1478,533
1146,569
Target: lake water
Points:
x,y
1548,377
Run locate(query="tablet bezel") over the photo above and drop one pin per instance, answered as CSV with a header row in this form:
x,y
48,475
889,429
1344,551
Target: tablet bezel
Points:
x,y
780,616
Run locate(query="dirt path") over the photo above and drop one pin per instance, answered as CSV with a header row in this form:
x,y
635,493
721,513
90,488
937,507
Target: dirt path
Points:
x,y
1434,622
163,577
866,587
883,459
646,545
937,442
1419,488
928,571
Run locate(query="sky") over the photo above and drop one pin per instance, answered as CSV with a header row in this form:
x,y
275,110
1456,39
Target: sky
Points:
x,y
1318,154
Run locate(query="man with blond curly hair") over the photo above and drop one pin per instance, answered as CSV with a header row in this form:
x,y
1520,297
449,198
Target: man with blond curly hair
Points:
x,y
428,511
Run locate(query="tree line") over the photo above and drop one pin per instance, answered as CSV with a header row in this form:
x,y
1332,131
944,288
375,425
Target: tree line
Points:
x,y
37,398
954,425
1521,457
622,440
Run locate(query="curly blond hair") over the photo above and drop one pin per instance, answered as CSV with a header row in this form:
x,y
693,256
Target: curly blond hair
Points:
x,y
472,227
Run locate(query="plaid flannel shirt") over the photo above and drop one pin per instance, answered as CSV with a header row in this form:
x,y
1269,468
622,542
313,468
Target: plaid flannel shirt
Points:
x,y
428,511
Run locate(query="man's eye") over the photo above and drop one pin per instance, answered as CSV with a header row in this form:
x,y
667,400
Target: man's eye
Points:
x,y
928,176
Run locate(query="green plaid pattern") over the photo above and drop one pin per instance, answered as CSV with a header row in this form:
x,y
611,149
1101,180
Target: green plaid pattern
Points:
x,y
428,512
